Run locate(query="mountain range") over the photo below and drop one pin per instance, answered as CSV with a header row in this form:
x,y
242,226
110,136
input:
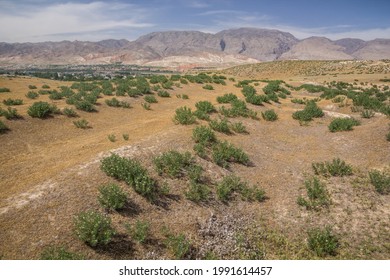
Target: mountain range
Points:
x,y
175,48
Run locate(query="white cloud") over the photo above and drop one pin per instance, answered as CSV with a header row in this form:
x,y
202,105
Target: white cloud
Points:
x,y
40,23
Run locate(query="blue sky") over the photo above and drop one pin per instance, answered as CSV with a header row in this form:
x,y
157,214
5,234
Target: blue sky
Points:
x,y
56,20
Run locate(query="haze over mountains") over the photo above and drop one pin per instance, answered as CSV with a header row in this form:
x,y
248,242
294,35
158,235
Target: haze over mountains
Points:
x,y
173,48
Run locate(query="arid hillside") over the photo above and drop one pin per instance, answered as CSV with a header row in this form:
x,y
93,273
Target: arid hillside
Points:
x,y
279,160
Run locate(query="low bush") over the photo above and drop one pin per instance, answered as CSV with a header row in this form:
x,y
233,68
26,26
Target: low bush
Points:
x,y
111,137
93,228
3,89
150,99
220,126
83,124
40,110
69,112
45,86
336,167
198,192
208,87
381,181
184,116
367,114
125,136
3,128
201,115
140,231
173,163
310,111
32,95
232,184
270,115
343,124
84,105
59,253
32,87
132,172
227,98
10,114
205,106
112,197
323,242
12,102
318,196
225,152
146,106
163,93
179,245
239,128
184,96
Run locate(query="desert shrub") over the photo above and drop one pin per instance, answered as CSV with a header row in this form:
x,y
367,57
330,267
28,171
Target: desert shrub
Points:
x,y
318,196
125,136
3,89
150,99
310,111
184,96
381,181
270,115
298,101
132,172
201,115
146,106
238,128
225,152
203,134
45,86
256,99
112,197
40,110
3,128
69,112
367,114
140,231
184,116
179,245
208,87
197,192
323,242
205,106
194,173
342,124
59,253
83,124
32,87
227,98
85,105
10,114
163,93
201,150
173,163
111,137
32,95
336,167
93,228
12,102
233,184
113,102
220,126
55,95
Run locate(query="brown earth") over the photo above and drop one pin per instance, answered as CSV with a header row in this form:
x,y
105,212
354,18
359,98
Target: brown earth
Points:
x,y
50,171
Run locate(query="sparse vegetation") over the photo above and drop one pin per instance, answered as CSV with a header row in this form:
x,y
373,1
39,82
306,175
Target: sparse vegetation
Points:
x,y
208,87
227,98
3,128
381,181
3,89
179,245
69,112
323,242
140,231
82,123
41,110
310,111
184,116
238,127
125,136
225,152
204,135
270,115
220,126
59,253
342,124
32,95
232,184
150,99
93,228
12,102
367,114
112,197
10,113
336,167
173,163
111,137
197,192
318,196
116,103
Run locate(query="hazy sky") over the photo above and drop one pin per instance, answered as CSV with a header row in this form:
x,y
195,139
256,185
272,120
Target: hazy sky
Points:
x,y
56,20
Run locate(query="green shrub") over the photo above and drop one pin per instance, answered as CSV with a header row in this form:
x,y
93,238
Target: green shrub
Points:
x,y
113,102
367,114
208,87
84,105
201,150
239,128
4,90
381,181
40,110
225,152
146,106
337,168
45,86
111,137
238,109
179,245
173,163
184,96
59,253
233,184
205,106
32,87
184,116
132,172
12,102
220,126
150,99
3,128
112,197
310,111
163,93
298,101
342,124
83,124
10,114
202,115
270,115
69,112
318,196
227,98
93,228
197,192
32,95
125,136
323,242
55,95
140,231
